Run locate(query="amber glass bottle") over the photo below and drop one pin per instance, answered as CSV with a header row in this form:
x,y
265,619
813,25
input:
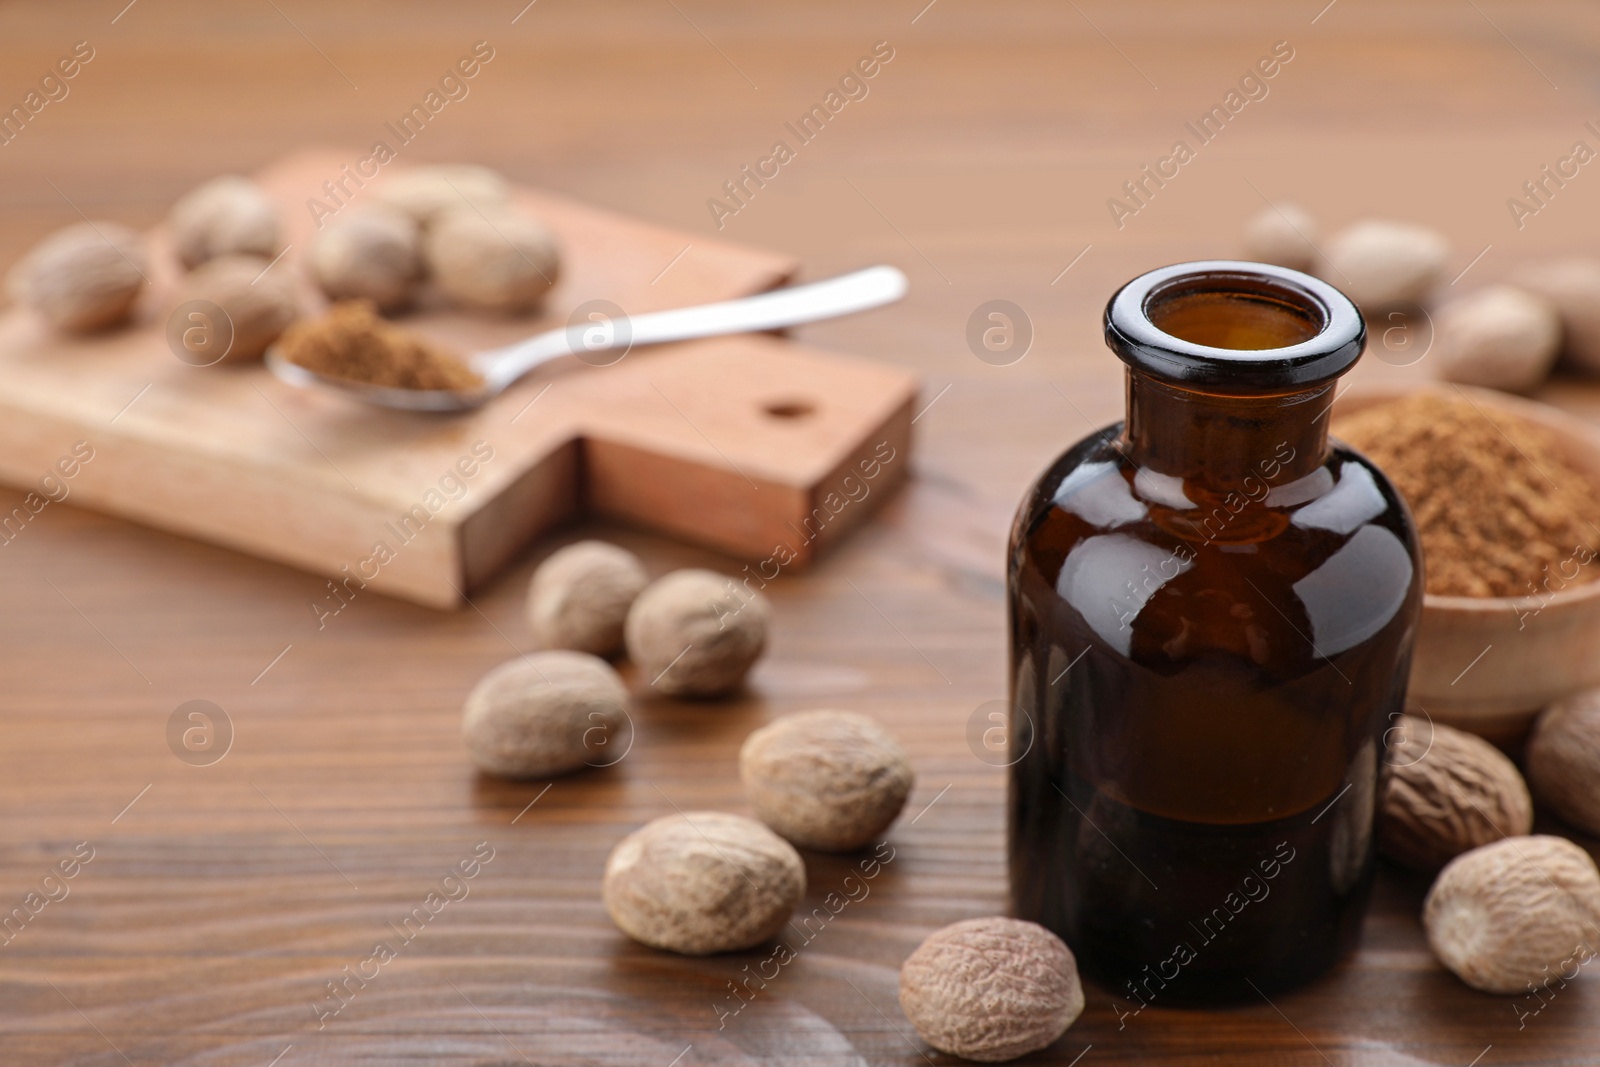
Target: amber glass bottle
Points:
x,y
1212,611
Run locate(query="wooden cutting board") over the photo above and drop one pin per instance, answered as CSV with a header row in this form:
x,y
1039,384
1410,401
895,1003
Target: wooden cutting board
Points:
x,y
751,444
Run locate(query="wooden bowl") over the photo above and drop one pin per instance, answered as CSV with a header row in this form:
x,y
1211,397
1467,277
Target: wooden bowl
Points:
x,y
1490,664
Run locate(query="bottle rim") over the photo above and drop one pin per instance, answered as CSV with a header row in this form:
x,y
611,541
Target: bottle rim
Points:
x,y
1338,340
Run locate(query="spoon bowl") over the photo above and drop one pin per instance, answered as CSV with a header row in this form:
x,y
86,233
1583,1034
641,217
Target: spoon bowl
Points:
x,y
387,396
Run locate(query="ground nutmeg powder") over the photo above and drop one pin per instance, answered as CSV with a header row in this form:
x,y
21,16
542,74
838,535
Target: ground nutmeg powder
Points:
x,y
352,342
1500,510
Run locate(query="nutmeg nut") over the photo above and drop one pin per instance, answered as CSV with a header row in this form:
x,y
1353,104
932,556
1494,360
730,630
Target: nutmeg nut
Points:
x,y
260,303
1283,234
373,254
1498,338
83,278
1379,263
702,882
224,216
1505,916
498,262
580,596
829,780
423,193
1449,792
1563,760
544,714
1573,286
991,989
695,633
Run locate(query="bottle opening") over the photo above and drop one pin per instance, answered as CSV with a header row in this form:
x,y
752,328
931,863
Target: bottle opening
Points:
x,y
1234,326
1240,317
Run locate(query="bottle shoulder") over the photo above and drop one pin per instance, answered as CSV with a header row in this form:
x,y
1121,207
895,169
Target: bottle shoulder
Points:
x,y
1097,488
1131,550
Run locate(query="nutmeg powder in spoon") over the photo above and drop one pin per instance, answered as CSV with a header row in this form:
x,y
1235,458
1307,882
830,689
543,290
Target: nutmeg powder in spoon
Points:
x,y
352,342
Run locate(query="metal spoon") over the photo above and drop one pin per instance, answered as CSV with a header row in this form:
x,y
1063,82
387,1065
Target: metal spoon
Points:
x,y
500,367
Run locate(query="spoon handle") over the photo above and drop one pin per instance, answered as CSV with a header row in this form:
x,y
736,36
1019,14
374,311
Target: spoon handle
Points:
x,y
827,299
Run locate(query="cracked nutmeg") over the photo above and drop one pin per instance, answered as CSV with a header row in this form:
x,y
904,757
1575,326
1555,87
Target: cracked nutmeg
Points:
x,y
1448,793
991,989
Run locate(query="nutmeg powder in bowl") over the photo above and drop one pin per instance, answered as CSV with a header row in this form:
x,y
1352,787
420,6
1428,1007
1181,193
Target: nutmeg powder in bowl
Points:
x,y
1501,511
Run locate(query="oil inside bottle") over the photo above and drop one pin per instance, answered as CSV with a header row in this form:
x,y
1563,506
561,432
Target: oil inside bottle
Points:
x,y
1212,613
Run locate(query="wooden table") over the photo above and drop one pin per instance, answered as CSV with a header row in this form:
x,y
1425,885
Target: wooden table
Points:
x,y
221,900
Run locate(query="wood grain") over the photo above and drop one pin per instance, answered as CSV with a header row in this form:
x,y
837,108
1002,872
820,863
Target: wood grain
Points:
x,y
218,905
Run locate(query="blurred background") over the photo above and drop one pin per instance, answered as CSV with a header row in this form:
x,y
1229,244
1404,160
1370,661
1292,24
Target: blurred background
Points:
x,y
981,160
990,143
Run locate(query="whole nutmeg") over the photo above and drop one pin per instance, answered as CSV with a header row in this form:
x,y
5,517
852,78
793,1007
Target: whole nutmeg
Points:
x,y
694,633
1449,792
224,216
260,303
1563,759
829,780
491,262
702,882
543,714
991,989
1573,286
374,254
1380,263
580,596
1507,916
1498,338
83,278
424,193
1284,234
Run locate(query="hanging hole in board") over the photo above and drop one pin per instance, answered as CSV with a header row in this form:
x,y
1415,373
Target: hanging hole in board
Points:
x,y
789,408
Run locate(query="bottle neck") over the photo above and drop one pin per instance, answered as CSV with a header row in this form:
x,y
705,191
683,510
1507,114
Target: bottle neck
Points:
x,y
1217,442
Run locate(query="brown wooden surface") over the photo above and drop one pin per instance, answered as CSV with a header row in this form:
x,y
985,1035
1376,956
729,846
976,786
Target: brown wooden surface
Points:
x,y
223,899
